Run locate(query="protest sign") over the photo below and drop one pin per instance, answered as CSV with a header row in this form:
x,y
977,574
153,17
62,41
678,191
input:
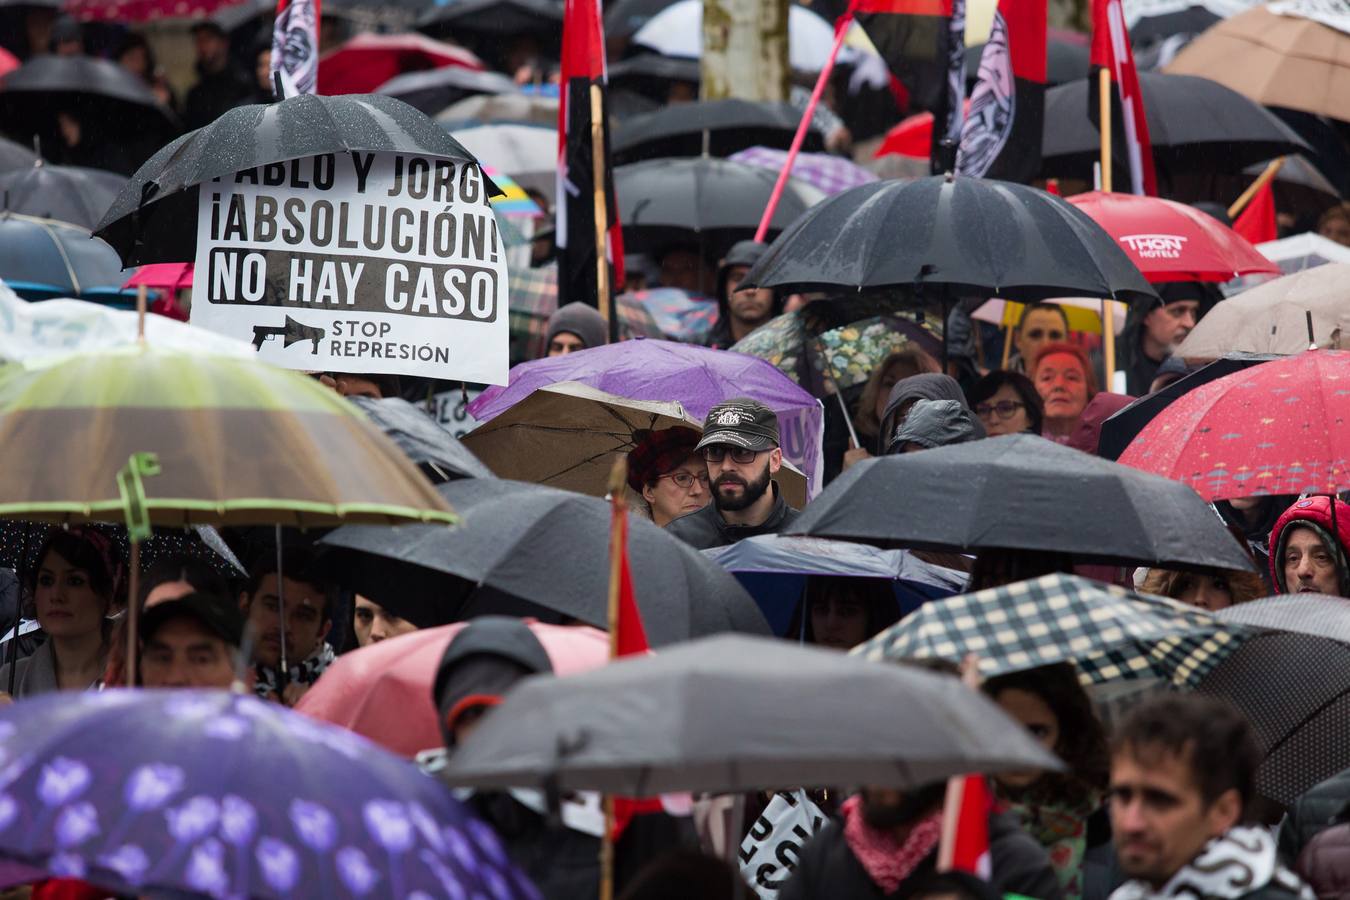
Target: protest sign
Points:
x,y
357,262
773,846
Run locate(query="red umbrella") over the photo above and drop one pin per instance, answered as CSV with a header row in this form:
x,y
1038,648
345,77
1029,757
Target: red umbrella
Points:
x,y
122,11
369,60
1281,427
383,691
912,137
162,276
1170,241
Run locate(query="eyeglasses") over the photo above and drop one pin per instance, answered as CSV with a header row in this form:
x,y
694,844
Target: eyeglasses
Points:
x,y
685,480
714,453
1004,408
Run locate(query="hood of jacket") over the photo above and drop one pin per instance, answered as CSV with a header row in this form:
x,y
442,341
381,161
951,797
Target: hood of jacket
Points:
x,y
1332,525
481,663
937,423
924,386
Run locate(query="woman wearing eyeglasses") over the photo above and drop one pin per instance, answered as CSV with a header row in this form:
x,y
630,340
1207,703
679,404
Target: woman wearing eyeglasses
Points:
x,y
669,476
1007,403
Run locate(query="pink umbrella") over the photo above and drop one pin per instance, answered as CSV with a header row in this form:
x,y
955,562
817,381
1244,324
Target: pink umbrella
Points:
x,y
383,691
162,276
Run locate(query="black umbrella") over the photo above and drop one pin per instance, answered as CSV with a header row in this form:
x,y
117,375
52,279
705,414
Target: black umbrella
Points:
x,y
651,74
163,192
41,259
952,238
1293,684
1022,492
624,18
524,549
1123,426
497,18
16,156
1156,28
437,452
71,194
1065,61
435,89
710,201
22,541
1195,125
721,127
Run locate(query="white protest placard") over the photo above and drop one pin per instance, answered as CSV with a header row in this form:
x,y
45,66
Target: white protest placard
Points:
x,y
773,846
357,262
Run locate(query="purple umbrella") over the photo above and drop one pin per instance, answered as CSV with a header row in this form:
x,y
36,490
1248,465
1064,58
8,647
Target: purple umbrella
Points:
x,y
696,377
223,794
832,174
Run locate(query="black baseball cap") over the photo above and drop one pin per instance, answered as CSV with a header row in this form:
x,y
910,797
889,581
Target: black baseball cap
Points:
x,y
741,422
220,617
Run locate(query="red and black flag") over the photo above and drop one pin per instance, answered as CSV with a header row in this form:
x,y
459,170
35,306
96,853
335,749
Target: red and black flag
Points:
x,y
1129,125
1002,133
923,44
583,68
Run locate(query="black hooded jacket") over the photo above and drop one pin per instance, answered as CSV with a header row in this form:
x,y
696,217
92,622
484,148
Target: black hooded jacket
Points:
x,y
925,386
1139,369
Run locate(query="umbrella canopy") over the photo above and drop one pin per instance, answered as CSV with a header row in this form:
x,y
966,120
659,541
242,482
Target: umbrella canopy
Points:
x,y
162,276
774,569
1066,60
715,202
1300,188
1169,241
723,126
725,714
435,89
695,377
1293,684
1010,492
650,74
1194,124
496,18
213,793
95,89
383,691
1165,20
16,156
1304,251
41,258
1109,633
486,109
677,31
532,550
569,436
1276,60
367,61
624,18
1276,428
71,194
1125,424
311,458
955,236
528,153
162,195
679,314
1273,317
825,171
21,542
437,452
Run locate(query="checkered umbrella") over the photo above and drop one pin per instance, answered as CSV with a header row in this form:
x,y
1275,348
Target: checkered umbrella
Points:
x,y
1109,633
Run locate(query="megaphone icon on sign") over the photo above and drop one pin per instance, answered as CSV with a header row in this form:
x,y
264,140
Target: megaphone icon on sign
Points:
x,y
289,333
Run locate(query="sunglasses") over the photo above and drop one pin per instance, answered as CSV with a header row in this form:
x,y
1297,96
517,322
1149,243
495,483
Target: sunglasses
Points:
x,y
1004,408
685,480
716,452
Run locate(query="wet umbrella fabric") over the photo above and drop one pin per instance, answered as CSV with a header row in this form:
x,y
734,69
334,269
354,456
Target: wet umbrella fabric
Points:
x,y
1195,125
1280,427
437,452
725,714
70,194
1273,317
953,237
434,90
729,126
367,61
530,550
41,259
1111,514
214,793
496,18
1123,426
486,109
164,190
15,156
21,542
528,153
672,201
383,691
1109,633
45,84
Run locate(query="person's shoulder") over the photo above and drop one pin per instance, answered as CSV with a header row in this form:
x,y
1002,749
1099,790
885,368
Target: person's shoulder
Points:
x,y
695,526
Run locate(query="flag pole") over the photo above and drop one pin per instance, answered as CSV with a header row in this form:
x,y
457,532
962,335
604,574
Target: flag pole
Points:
x,y
601,212
1108,312
1271,170
841,31
618,479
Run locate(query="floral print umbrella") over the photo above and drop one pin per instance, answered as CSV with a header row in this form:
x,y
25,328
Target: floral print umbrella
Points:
x,y
224,795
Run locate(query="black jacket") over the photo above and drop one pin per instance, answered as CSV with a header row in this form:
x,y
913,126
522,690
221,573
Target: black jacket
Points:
x,y
706,528
1321,807
214,94
828,870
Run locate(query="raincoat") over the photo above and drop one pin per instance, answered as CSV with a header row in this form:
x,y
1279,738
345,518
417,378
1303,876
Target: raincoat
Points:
x,y
1332,525
936,423
925,386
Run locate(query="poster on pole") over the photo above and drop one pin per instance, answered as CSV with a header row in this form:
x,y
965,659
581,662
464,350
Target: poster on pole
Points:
x,y
383,263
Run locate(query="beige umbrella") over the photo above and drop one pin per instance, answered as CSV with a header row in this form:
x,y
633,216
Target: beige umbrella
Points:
x,y
1276,60
1273,317
568,435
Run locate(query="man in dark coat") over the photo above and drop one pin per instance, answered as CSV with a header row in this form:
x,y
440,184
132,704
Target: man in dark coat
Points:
x,y
740,447
885,846
1152,333
221,85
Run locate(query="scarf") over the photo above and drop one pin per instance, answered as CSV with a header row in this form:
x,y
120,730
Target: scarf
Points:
x,y
1059,827
1239,862
888,862
306,673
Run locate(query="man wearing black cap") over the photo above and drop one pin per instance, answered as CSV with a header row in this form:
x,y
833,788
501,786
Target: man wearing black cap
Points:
x,y
190,642
740,446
